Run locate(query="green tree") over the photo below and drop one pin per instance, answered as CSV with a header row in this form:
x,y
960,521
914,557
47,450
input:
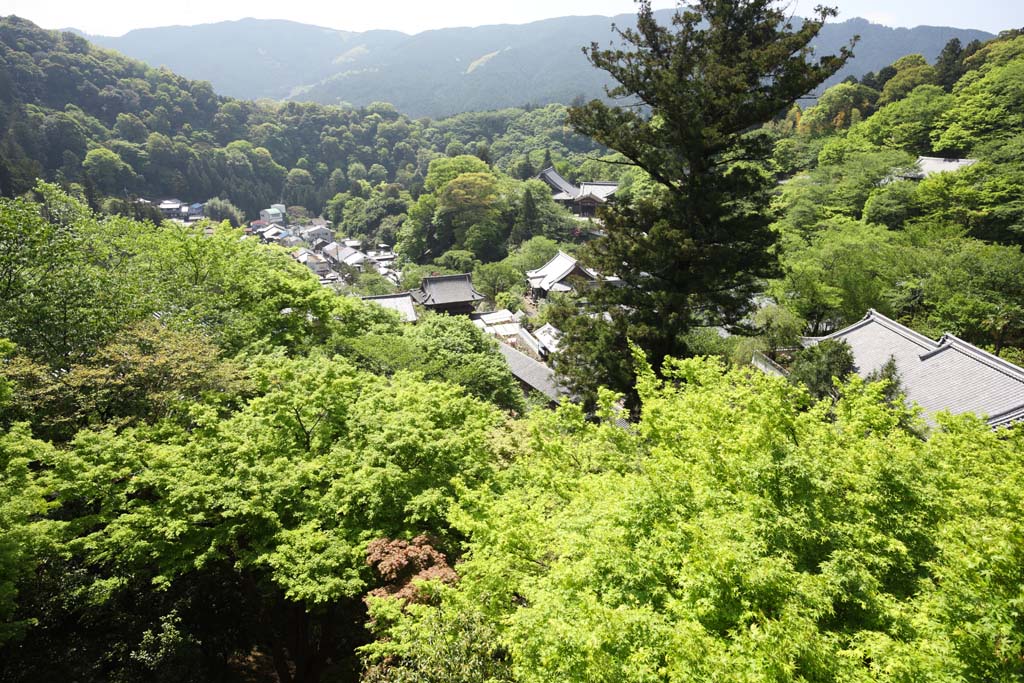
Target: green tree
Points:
x,y
819,367
218,209
108,171
691,250
737,532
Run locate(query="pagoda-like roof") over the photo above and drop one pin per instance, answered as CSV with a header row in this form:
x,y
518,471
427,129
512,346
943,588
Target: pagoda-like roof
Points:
x,y
443,290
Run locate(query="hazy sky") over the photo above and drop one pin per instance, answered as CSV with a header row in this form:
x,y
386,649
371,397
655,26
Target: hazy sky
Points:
x,y
114,17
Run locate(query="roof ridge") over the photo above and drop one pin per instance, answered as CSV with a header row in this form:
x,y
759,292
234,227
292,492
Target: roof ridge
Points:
x,y
998,364
446,277
874,316
386,296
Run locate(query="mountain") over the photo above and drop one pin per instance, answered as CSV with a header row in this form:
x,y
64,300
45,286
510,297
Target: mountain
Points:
x,y
251,58
445,71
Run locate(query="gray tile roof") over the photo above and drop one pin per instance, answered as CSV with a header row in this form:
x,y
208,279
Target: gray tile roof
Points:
x,y
532,373
558,184
564,190
948,374
446,289
396,302
549,277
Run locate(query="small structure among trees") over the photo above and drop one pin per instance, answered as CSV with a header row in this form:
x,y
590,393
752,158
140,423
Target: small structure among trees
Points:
x,y
582,199
557,275
452,294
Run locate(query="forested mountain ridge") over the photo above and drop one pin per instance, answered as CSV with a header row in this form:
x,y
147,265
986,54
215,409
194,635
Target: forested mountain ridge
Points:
x,y
70,110
446,71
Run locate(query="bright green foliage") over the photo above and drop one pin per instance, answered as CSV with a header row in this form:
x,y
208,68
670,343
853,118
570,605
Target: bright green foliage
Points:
x,y
842,271
736,535
27,538
441,347
911,71
989,99
907,123
835,109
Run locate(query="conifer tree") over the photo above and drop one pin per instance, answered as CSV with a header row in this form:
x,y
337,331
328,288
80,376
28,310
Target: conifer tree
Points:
x,y
690,249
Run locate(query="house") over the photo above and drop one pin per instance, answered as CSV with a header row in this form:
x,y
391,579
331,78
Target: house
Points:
x,y
315,262
582,199
171,208
196,211
279,207
453,294
561,274
948,374
311,234
274,234
272,215
928,166
548,335
532,374
503,325
402,303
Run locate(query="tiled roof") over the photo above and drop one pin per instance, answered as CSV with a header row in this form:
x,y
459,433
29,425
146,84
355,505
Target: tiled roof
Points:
x,y
396,302
548,335
549,276
600,191
557,182
447,289
948,374
532,373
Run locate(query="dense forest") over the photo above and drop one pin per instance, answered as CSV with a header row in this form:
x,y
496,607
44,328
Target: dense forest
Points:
x,y
213,468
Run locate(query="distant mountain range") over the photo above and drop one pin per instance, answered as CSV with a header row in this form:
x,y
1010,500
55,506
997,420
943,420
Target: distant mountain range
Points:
x,y
446,71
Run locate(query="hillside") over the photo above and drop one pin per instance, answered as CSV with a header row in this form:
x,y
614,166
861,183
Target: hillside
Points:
x,y
71,112
446,71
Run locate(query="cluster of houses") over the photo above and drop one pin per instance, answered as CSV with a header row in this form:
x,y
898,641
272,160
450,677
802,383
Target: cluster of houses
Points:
x,y
524,350
177,210
317,248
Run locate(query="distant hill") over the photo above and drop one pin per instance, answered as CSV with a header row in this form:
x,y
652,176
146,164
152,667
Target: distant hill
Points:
x,y
446,71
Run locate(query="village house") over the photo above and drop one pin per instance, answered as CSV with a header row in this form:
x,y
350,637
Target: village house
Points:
x,y
272,215
340,255
948,374
171,208
562,273
452,294
311,234
582,199
315,262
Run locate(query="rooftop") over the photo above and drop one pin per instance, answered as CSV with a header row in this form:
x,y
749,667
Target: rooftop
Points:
x,y
447,289
948,374
932,165
530,372
402,303
549,277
